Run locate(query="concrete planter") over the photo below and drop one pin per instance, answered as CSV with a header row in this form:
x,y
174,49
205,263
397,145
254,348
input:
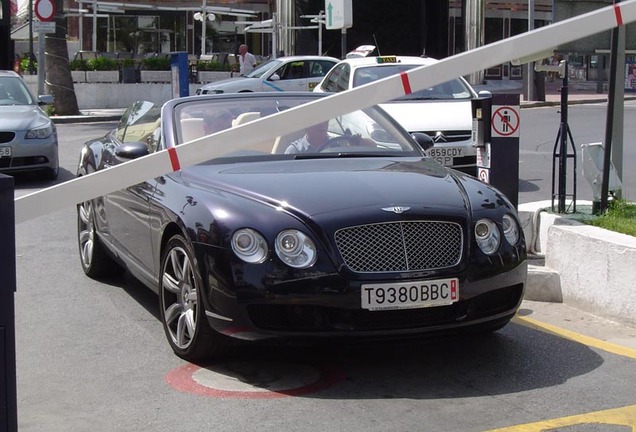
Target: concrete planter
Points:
x,y
78,76
212,76
150,76
594,267
111,76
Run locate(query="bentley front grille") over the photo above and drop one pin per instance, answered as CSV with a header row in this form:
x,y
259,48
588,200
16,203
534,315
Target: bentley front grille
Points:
x,y
400,246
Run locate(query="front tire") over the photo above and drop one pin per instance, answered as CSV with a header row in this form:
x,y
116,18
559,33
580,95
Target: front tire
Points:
x,y
181,307
94,258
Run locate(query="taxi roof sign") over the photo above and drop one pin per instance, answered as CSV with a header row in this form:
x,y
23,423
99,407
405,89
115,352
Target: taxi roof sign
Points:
x,y
386,59
361,51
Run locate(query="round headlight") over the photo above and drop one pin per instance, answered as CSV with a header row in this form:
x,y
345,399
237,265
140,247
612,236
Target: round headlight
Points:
x,y
295,249
249,246
487,236
510,229
40,132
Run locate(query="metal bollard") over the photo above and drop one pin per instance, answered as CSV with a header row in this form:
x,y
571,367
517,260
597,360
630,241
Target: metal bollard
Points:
x,y
8,392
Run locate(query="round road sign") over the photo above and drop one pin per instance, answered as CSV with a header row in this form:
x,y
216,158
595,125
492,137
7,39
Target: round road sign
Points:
x,y
44,9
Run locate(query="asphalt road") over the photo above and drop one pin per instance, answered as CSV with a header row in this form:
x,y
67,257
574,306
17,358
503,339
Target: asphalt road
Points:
x,y
587,123
92,356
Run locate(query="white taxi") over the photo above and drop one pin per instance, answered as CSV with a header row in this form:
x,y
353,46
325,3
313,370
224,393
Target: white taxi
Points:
x,y
442,111
293,73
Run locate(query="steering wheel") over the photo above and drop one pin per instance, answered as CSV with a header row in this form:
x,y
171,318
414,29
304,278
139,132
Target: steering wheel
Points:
x,y
339,141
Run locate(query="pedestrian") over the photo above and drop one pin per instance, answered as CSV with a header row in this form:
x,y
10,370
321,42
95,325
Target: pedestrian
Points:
x,y
247,61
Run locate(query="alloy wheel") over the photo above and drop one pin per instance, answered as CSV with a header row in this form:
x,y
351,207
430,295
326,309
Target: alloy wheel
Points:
x,y
179,297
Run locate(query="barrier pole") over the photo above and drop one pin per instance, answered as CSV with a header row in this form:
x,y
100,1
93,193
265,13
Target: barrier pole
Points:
x,y
8,393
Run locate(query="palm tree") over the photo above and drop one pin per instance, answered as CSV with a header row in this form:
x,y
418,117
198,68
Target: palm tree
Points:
x,y
58,73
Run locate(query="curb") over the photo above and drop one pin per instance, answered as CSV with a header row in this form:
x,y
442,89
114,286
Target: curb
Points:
x,y
88,118
543,285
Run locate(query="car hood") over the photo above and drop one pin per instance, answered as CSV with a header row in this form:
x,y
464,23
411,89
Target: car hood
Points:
x,y
422,116
231,83
310,188
21,117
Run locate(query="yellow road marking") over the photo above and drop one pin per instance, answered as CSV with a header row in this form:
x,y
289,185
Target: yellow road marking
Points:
x,y
625,416
576,337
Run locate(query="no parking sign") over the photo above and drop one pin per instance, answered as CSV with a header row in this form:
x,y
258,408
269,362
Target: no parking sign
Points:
x,y
505,121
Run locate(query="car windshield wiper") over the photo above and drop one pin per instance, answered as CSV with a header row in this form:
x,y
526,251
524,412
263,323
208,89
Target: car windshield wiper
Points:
x,y
422,98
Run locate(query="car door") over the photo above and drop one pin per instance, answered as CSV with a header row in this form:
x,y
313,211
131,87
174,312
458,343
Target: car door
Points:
x,y
337,79
127,210
317,70
290,76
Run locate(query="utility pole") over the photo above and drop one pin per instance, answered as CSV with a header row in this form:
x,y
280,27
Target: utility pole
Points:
x,y
474,32
6,58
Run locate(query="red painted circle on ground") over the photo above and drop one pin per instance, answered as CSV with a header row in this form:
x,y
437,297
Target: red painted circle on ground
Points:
x,y
187,379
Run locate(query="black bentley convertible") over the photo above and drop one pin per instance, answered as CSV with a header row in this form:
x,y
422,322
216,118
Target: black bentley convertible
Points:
x,y
362,237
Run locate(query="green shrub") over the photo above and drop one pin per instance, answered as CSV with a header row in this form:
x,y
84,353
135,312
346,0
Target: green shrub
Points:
x,y
102,64
156,63
78,65
127,62
25,62
207,65
620,217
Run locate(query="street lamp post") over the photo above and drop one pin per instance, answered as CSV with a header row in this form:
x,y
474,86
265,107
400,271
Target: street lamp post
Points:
x,y
204,16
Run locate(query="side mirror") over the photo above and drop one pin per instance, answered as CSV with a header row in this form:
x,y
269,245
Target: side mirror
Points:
x,y
274,77
423,140
45,100
132,150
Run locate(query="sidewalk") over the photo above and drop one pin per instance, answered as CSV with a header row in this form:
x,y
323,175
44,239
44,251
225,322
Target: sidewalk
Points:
x,y
579,92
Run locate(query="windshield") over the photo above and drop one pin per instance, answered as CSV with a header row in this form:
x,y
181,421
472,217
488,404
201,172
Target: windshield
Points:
x,y
14,92
454,89
261,69
367,133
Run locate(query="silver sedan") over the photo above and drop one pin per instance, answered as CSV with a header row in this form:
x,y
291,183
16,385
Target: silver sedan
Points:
x,y
28,138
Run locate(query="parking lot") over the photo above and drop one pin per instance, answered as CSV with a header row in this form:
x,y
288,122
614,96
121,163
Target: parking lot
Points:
x,y
93,356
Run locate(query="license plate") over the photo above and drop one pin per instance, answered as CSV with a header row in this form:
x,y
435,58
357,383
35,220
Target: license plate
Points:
x,y
445,155
412,295
5,151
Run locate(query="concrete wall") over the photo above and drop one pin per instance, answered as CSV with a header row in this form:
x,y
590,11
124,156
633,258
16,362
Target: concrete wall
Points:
x,y
590,268
116,95
96,96
597,269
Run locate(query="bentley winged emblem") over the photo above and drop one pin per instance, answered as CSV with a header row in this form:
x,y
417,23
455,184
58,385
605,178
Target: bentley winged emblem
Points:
x,y
396,209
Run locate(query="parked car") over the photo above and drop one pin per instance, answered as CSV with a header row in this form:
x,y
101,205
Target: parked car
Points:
x,y
294,73
361,238
28,138
442,111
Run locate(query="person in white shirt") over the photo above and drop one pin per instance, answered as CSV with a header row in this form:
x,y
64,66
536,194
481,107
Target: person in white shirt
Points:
x,y
247,61
314,137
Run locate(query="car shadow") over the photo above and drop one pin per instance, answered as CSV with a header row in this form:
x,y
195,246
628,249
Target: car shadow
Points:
x,y
33,180
514,359
511,360
528,186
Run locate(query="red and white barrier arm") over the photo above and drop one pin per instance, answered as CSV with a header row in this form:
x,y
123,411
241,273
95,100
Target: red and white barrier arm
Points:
x,y
524,45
